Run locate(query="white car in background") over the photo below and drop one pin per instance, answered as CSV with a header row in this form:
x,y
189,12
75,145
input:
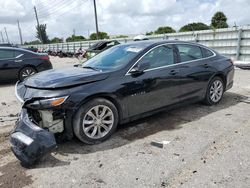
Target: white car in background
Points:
x,y
140,37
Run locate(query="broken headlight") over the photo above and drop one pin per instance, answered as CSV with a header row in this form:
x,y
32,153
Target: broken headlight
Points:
x,y
47,103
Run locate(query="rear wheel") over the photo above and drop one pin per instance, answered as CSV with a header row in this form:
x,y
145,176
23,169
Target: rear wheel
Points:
x,y
95,121
215,91
26,72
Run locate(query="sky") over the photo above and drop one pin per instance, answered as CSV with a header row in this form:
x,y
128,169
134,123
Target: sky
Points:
x,y
115,17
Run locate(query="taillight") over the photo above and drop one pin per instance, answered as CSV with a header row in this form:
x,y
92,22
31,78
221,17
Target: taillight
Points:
x,y
44,58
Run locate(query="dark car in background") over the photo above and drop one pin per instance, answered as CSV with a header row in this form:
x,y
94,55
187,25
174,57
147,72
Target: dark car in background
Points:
x,y
33,49
18,63
121,84
100,46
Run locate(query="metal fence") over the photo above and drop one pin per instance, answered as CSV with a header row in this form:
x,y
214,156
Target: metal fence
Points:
x,y
232,42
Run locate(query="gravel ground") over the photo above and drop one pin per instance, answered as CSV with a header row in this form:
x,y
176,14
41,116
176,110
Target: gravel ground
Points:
x,y
206,147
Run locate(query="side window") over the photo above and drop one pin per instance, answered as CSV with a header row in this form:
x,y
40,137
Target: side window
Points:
x,y
17,53
189,52
160,56
7,54
207,53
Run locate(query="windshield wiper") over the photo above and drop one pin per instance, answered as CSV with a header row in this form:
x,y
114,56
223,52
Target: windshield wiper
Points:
x,y
93,68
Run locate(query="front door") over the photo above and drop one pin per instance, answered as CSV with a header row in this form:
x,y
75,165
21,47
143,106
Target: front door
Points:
x,y
157,86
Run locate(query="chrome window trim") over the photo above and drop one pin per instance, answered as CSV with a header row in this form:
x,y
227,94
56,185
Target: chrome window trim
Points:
x,y
214,54
20,55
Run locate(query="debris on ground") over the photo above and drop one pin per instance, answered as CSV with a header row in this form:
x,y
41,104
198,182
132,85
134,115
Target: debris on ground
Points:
x,y
160,144
246,100
177,154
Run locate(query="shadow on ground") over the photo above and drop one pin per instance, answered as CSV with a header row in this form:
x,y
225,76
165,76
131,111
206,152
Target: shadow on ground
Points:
x,y
127,133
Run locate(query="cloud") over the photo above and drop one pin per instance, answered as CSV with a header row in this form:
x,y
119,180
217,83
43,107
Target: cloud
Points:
x,y
114,16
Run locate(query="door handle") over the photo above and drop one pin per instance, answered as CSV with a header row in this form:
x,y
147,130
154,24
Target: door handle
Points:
x,y
17,61
205,65
173,72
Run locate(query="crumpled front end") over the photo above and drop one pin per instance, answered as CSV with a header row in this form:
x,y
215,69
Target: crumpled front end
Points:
x,y
45,118
30,142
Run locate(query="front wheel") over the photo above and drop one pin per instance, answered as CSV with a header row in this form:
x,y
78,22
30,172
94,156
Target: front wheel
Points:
x,y
215,91
95,121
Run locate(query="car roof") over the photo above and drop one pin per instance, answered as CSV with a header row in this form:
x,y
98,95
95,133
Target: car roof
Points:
x,y
152,43
148,43
157,42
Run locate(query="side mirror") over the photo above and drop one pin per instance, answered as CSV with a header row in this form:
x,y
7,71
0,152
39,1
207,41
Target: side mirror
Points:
x,y
140,68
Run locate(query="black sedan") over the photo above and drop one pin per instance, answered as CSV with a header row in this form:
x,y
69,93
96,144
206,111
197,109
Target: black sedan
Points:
x,y
121,84
17,63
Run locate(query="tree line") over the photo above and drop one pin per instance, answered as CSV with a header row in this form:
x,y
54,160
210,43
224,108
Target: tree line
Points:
x,y
219,20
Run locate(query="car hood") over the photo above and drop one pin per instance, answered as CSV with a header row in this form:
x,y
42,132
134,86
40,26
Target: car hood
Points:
x,y
53,79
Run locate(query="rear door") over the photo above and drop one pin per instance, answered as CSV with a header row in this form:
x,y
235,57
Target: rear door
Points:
x,y
194,71
10,63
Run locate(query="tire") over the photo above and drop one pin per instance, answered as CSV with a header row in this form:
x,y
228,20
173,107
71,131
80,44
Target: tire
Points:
x,y
96,129
215,91
26,72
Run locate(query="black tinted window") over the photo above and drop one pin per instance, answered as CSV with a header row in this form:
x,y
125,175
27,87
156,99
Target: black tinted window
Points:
x,y
207,53
189,52
6,54
17,53
160,56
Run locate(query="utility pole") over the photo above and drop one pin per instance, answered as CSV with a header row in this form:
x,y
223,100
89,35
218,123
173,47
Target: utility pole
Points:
x,y
20,32
74,34
96,21
6,35
2,36
38,25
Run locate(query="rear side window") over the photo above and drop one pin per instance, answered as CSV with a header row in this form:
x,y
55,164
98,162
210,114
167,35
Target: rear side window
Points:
x,y
189,52
7,54
207,53
18,53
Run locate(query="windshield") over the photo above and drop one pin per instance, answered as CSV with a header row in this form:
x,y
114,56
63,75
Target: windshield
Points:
x,y
114,58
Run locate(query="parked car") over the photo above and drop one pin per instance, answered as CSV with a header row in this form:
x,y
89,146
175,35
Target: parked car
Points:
x,y
18,63
100,46
140,37
31,49
121,84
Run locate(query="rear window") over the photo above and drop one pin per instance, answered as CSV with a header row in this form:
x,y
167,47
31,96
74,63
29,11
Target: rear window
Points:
x,y
189,52
207,53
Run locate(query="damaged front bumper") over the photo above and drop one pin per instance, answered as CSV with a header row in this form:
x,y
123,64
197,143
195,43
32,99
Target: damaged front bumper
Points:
x,y
30,142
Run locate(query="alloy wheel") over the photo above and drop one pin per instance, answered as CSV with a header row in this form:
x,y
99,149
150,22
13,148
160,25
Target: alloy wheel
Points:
x,y
98,121
216,91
